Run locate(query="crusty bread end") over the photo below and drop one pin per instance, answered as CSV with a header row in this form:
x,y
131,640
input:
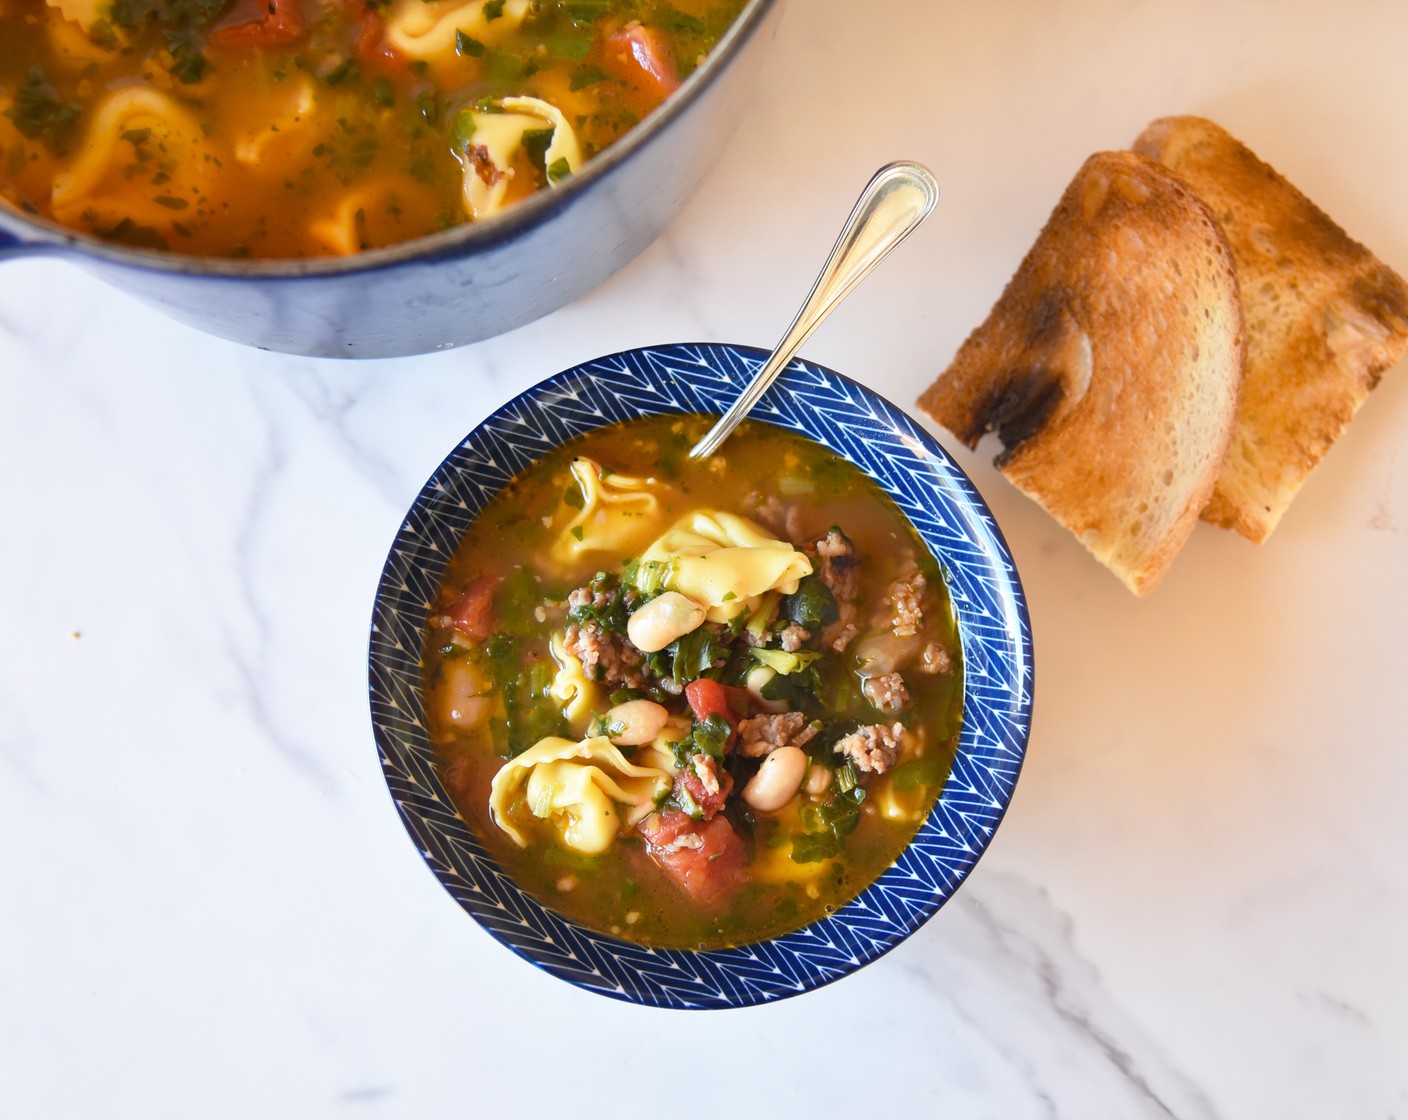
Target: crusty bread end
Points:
x,y
1110,367
1324,319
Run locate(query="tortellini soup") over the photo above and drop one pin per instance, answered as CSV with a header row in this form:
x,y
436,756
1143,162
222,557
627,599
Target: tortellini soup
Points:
x,y
303,128
693,704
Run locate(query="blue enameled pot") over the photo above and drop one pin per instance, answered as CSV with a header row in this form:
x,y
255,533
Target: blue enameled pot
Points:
x,y
463,284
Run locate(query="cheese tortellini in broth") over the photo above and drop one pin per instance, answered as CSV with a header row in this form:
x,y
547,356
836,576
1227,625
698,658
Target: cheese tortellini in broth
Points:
x,y
619,513
726,563
582,789
137,133
427,29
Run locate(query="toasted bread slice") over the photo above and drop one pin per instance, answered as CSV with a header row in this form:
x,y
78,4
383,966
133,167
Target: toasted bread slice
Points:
x,y
1324,319
1110,366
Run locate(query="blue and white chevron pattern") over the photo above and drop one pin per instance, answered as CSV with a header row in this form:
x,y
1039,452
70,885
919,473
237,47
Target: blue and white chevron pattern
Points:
x,y
950,516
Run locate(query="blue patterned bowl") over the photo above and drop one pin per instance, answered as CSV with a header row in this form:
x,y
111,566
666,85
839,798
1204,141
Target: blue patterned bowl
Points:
x,y
950,516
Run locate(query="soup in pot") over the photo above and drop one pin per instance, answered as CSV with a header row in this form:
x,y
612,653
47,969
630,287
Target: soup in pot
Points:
x,y
300,128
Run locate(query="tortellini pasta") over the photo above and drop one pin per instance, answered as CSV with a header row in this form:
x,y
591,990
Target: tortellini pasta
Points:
x,y
581,788
343,229
137,133
619,514
289,111
494,139
726,563
85,13
427,29
578,696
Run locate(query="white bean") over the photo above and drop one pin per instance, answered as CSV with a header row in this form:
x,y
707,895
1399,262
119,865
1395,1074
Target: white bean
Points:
x,y
666,617
464,696
639,722
777,779
759,678
818,779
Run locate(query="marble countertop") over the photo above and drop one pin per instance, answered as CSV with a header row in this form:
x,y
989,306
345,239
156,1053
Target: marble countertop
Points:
x,y
1197,905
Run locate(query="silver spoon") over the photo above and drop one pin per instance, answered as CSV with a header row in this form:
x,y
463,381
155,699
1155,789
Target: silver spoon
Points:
x,y
894,202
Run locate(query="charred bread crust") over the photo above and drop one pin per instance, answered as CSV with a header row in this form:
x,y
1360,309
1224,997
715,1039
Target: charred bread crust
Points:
x,y
1110,367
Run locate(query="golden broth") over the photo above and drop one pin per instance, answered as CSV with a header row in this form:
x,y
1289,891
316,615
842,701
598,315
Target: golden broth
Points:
x,y
786,882
299,128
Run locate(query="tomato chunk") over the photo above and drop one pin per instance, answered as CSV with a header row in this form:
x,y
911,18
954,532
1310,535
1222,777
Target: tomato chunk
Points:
x,y
704,858
377,56
707,698
472,614
283,23
640,56
705,783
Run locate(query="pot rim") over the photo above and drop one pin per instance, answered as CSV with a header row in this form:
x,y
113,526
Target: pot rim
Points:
x,y
38,234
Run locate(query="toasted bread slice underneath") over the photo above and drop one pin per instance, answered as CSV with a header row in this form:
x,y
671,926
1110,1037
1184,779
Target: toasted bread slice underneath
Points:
x,y
1110,366
1324,319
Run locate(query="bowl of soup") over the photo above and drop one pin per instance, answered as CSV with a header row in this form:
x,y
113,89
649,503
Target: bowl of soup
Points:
x,y
341,178
700,733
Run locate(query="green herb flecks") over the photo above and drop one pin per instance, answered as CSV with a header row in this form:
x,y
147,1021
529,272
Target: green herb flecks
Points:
x,y
182,23
39,113
128,232
585,76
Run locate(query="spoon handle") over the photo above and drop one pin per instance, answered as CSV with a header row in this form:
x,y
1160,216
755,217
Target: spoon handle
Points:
x,y
894,202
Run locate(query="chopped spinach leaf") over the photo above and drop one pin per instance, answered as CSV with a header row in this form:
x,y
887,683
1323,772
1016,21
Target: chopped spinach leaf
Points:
x,y
585,76
918,773
128,232
827,826
462,130
708,736
811,606
813,847
503,66
528,719
558,170
348,70
166,13
675,20
648,577
696,654
607,608
517,598
535,146
40,115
